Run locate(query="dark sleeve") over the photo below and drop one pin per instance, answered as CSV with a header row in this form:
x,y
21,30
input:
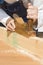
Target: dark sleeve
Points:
x,y
1,2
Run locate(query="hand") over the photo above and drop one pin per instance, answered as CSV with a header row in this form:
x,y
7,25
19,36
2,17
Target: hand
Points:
x,y
10,24
32,12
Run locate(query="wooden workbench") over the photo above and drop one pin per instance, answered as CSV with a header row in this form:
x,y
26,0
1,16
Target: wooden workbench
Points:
x,y
23,50
20,47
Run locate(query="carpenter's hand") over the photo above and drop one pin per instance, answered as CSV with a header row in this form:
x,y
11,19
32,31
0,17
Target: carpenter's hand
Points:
x,y
10,25
32,12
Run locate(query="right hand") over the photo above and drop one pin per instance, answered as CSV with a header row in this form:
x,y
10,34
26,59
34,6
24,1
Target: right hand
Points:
x,y
10,25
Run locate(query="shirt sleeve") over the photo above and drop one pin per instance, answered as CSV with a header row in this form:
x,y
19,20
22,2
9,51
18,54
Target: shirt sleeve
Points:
x,y
3,17
39,5
40,19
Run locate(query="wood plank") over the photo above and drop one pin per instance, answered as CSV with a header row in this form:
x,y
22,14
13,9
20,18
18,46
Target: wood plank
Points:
x,y
25,42
9,55
33,45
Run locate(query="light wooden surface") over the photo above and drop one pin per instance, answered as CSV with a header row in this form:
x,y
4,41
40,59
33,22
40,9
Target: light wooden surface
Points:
x,y
20,47
29,49
9,55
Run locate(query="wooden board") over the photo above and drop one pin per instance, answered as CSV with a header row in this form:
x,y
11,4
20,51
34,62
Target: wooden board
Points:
x,y
31,45
25,43
10,55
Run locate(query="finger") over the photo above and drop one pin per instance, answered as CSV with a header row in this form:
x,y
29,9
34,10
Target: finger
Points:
x,y
32,7
12,24
29,4
30,16
30,13
10,27
34,17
